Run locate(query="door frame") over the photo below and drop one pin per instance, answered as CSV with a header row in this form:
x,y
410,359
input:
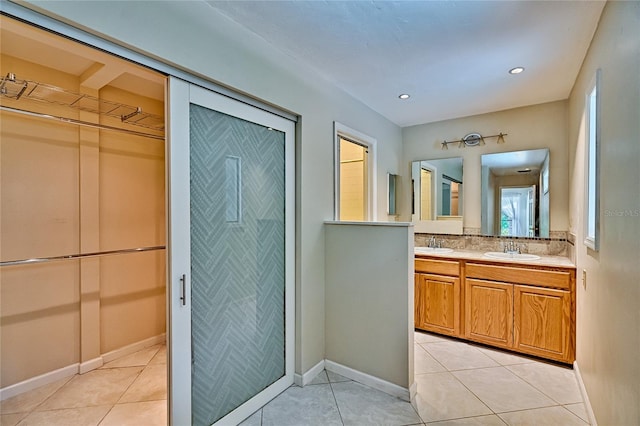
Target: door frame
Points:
x,y
433,189
180,95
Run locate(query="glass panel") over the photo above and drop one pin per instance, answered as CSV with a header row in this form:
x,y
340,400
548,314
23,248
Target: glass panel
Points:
x,y
237,261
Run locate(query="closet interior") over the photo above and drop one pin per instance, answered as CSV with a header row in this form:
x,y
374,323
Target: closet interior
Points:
x,y
82,207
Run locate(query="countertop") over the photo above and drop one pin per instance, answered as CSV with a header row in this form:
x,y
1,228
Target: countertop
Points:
x,y
545,260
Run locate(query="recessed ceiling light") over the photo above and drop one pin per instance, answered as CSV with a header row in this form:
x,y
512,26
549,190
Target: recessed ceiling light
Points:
x,y
404,96
516,70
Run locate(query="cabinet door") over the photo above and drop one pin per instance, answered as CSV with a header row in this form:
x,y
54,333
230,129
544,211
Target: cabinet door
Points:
x,y
438,303
489,312
542,322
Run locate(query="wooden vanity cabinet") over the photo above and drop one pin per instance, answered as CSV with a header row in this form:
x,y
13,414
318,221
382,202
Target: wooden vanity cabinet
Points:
x,y
437,296
489,312
529,310
542,322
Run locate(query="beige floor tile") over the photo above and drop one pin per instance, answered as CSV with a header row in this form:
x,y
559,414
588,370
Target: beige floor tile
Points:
x,y
310,406
501,390
149,413
11,419
424,337
362,405
88,416
549,416
27,401
254,420
335,377
579,410
424,362
558,383
140,358
160,357
490,420
98,387
505,358
458,356
320,379
150,385
440,396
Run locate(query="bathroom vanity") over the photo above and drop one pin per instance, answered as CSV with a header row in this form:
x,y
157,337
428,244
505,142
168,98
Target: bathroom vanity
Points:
x,y
520,305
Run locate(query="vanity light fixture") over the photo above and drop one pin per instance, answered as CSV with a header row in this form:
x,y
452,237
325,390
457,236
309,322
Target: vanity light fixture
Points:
x,y
474,139
404,96
516,70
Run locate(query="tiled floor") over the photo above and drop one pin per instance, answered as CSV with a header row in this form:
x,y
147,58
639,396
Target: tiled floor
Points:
x,y
458,384
128,391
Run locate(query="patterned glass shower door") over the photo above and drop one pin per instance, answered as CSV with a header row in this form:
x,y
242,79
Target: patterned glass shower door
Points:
x,y
237,261
232,244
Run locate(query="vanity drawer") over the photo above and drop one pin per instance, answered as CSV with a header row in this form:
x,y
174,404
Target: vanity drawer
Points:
x,y
544,278
440,267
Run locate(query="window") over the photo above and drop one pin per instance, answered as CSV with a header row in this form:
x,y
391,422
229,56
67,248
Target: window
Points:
x,y
517,211
592,178
355,183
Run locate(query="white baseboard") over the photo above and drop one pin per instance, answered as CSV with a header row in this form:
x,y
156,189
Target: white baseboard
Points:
x,y
134,347
85,367
37,381
585,396
92,364
371,381
306,378
413,390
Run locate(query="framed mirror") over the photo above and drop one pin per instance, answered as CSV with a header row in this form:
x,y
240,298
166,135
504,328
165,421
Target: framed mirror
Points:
x,y
515,193
437,190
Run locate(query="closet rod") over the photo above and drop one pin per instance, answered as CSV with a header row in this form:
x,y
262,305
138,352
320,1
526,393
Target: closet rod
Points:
x,y
79,256
79,122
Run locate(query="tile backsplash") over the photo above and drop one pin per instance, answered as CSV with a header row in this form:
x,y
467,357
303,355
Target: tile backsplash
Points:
x,y
554,246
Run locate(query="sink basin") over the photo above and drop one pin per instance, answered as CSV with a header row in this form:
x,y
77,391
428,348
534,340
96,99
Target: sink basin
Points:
x,y
511,256
427,250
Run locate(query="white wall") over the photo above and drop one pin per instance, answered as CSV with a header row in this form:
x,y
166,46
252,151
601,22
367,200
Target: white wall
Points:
x,y
608,308
369,299
533,127
194,37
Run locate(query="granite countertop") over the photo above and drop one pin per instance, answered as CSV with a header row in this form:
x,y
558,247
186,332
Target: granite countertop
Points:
x,y
545,260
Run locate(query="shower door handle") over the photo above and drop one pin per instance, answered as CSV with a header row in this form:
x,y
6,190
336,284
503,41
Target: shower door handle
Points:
x,y
183,289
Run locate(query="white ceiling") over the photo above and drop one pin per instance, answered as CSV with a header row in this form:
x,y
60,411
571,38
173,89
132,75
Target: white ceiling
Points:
x,y
509,163
452,57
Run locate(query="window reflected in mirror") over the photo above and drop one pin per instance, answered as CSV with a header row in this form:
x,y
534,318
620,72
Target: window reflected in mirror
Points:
x,y
515,193
425,194
437,189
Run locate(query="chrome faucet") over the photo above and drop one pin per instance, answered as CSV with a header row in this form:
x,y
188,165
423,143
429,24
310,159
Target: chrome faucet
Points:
x,y
511,247
433,243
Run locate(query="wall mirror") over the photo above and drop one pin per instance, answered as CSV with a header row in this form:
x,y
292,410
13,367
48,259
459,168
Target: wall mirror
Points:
x,y
437,189
515,193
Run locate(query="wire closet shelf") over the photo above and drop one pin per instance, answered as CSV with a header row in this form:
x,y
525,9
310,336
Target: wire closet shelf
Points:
x,y
16,89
